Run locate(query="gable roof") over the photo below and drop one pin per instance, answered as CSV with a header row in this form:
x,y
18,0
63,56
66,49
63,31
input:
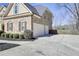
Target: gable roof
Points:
x,y
1,10
5,5
31,8
41,9
8,9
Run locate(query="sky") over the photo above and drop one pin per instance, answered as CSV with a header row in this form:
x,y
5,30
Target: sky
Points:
x,y
60,16
57,11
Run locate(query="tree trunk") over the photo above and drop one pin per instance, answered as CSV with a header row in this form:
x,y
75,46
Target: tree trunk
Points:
x,y
77,24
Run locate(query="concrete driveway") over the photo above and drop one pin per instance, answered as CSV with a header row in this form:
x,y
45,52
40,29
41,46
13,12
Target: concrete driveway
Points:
x,y
55,45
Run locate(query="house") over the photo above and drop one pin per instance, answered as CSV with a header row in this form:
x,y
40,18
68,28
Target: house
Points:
x,y
45,13
2,11
20,17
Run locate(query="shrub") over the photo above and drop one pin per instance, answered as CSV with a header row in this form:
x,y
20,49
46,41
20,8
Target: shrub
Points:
x,y
15,35
53,32
21,36
10,35
1,32
27,34
3,35
7,35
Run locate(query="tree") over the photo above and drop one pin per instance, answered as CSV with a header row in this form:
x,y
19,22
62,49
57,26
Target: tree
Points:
x,y
73,10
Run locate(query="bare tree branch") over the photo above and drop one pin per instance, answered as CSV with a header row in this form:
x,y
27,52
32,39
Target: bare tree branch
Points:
x,y
73,10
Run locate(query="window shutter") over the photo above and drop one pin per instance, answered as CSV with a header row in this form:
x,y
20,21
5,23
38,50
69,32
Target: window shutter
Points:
x,y
19,26
11,27
7,27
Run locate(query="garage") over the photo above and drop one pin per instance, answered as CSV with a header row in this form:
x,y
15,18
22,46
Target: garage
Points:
x,y
40,30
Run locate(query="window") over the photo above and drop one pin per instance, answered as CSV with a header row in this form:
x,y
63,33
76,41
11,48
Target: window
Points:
x,y
16,9
9,26
22,26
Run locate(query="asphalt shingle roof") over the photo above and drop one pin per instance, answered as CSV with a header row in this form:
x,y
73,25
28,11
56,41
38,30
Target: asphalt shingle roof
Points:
x,y
32,8
41,9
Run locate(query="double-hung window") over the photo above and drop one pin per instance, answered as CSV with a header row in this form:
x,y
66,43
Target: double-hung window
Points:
x,y
22,26
9,26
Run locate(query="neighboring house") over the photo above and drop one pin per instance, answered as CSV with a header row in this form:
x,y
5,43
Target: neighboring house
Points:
x,y
2,11
20,17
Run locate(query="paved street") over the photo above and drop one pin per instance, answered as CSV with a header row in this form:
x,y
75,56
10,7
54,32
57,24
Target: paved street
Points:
x,y
55,45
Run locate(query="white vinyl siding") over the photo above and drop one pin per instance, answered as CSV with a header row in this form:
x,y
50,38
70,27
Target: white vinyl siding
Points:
x,y
9,26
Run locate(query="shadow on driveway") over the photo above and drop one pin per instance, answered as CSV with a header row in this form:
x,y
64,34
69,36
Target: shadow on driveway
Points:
x,y
5,46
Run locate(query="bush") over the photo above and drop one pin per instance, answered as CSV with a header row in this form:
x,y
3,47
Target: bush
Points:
x,y
21,36
7,35
15,36
1,32
10,35
53,32
27,34
3,35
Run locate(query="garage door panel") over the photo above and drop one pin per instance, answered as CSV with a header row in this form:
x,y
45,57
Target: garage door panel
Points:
x,y
46,30
39,30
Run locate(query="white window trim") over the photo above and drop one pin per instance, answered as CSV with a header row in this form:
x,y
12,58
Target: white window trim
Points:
x,y
8,28
20,26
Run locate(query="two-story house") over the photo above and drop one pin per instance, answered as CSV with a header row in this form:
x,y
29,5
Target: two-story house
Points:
x,y
20,17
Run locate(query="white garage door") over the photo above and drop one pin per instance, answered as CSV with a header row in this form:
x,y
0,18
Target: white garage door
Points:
x,y
39,30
